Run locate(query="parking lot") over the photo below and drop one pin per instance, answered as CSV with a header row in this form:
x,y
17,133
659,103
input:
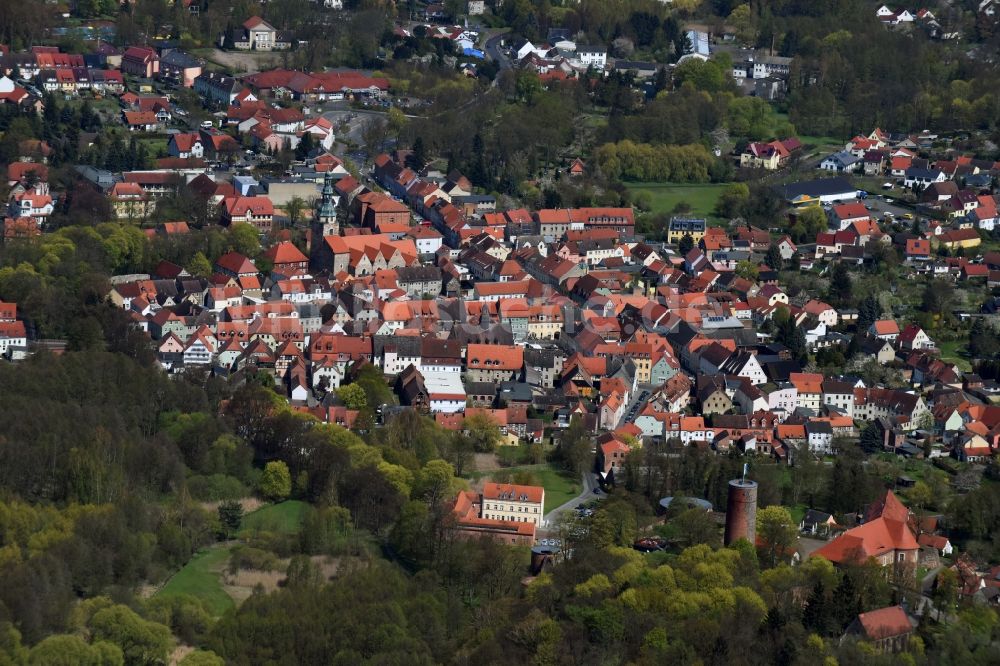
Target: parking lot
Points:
x,y
879,205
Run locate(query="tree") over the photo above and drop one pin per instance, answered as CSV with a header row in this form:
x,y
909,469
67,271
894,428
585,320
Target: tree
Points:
x,y
63,650
575,447
742,20
374,132
747,270
527,86
773,257
810,221
695,526
777,532
294,208
458,450
983,341
733,200
276,481
141,641
397,122
245,239
200,266
938,298
202,658
869,312
816,614
685,244
482,431
920,496
230,515
418,157
871,438
840,285
352,396
946,590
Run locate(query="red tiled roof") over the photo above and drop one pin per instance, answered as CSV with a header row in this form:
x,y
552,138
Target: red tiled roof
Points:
x,y
285,253
494,357
885,623
503,491
235,262
886,327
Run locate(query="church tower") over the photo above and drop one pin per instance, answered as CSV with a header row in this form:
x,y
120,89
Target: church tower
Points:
x,y
326,214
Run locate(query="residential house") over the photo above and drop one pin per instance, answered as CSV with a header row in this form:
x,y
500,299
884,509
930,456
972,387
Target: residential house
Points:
x,y
180,67
679,227
140,61
257,211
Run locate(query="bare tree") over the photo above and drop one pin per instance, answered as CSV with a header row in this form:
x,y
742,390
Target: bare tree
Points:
x,y
374,133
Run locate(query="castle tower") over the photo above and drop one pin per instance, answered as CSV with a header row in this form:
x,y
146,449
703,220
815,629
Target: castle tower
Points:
x,y
741,511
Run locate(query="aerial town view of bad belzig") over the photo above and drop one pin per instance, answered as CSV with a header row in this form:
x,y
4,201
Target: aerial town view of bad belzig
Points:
x,y
475,332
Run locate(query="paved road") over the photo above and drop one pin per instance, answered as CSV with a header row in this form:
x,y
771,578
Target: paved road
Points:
x,y
640,397
494,53
589,483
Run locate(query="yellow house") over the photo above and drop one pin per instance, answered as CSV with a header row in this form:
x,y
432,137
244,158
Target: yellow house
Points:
x,y
768,156
545,322
680,227
519,504
956,238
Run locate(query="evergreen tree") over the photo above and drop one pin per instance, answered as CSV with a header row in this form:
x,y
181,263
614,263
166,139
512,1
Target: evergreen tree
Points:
x,y
418,158
869,311
685,244
816,615
773,257
840,285
846,602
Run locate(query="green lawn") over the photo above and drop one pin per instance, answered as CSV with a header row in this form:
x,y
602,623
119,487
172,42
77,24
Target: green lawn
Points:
x,y
950,353
560,487
798,512
665,196
285,518
155,145
200,578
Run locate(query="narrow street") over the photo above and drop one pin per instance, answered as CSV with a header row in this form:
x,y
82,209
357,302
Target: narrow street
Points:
x,y
587,494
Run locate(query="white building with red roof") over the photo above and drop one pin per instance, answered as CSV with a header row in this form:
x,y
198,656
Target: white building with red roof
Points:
x,y
257,211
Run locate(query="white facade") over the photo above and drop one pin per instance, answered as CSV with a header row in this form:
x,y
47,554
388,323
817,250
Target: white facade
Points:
x,y
393,363
821,442
514,510
784,398
445,390
9,342
592,56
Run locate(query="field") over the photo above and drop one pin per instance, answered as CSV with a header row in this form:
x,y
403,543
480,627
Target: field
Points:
x,y
665,196
950,353
201,577
240,62
285,518
560,487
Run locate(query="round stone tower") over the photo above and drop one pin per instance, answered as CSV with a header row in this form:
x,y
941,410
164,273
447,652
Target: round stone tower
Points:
x,y
741,511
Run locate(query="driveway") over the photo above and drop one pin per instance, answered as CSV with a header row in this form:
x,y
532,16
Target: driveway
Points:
x,y
589,483
493,51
